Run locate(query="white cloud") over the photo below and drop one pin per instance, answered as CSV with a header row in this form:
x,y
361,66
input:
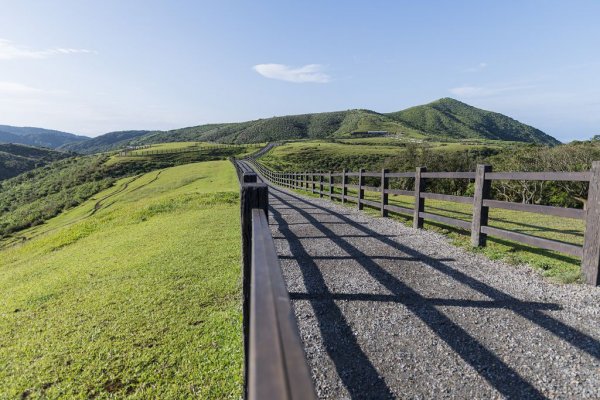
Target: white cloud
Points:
x,y
477,68
14,88
11,51
307,73
486,91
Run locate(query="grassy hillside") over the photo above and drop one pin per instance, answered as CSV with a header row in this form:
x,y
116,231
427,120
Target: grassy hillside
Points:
x,y
37,136
445,119
140,298
16,159
104,142
35,196
451,118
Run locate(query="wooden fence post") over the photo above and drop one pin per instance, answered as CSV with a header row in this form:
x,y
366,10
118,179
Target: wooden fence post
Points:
x,y
313,184
480,212
344,184
419,202
330,186
321,184
385,184
361,191
591,243
253,195
249,177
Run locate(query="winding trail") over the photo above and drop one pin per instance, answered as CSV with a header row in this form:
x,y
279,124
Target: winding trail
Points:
x,y
386,311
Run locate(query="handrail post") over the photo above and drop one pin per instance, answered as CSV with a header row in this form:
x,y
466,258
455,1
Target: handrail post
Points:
x,y
361,190
480,212
344,184
330,186
385,184
249,177
321,184
419,201
590,261
253,195
313,184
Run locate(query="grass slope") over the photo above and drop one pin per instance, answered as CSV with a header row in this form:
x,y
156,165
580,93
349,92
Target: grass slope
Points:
x,y
37,195
16,159
139,299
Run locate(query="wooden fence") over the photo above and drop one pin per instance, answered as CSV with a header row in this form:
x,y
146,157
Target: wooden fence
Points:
x,y
274,363
325,184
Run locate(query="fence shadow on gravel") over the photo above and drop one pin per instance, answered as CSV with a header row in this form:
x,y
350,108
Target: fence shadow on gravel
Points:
x,y
351,362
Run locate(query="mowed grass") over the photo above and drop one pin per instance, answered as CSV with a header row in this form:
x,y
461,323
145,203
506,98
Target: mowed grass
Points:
x,y
139,299
557,266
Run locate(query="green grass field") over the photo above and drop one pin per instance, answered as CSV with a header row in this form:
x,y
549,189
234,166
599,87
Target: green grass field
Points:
x,y
136,292
357,153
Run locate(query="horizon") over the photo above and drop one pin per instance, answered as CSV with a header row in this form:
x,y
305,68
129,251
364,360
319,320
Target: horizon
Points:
x,y
117,67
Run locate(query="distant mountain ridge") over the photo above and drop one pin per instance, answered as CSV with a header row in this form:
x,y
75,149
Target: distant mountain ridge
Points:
x,y
37,136
105,142
443,119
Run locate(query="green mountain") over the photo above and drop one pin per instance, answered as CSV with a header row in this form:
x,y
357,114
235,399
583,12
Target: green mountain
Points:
x,y
304,126
16,159
105,142
37,136
452,118
444,119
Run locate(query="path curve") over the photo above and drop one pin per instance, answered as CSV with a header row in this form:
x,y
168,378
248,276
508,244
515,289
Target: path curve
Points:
x,y
386,311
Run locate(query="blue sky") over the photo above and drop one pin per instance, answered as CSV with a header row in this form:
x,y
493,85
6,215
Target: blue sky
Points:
x,y
95,66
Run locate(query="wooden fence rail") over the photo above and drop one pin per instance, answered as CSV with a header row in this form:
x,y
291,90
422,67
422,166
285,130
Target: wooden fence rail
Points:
x,y
323,184
274,362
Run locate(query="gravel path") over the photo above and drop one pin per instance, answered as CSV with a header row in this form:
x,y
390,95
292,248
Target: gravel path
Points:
x,y
386,311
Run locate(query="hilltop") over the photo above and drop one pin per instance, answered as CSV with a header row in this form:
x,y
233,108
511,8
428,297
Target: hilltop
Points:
x,y
37,136
444,119
451,118
16,159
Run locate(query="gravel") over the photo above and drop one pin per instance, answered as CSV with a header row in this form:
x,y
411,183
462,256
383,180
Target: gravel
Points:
x,y
386,311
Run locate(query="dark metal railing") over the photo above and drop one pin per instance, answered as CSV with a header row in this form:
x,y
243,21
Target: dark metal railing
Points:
x,y
275,366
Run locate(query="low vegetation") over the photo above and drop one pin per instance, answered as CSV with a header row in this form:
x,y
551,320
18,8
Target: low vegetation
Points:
x,y
132,293
16,159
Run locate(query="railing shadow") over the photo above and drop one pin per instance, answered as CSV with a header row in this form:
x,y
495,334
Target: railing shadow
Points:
x,y
561,330
506,380
339,341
